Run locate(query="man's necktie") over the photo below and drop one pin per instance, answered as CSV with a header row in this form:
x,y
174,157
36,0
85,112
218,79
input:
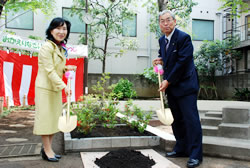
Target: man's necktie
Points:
x,y
166,40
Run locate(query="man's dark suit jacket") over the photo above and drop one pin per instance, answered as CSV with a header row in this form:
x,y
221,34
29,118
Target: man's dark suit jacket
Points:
x,y
179,68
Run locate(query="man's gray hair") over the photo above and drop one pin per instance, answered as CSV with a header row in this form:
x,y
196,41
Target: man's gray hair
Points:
x,y
167,11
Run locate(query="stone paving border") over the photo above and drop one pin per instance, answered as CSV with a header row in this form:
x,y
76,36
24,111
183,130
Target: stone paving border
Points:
x,y
92,144
15,150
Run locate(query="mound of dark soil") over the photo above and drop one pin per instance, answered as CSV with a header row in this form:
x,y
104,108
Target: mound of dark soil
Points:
x,y
124,158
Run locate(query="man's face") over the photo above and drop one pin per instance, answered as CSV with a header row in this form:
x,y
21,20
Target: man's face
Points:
x,y
167,23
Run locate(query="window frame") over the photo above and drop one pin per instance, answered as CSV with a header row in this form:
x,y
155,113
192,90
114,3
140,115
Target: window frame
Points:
x,y
71,22
123,35
246,26
202,20
8,27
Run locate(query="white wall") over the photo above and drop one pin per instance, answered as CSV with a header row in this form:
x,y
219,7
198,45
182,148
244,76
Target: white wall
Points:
x,y
208,10
132,62
42,21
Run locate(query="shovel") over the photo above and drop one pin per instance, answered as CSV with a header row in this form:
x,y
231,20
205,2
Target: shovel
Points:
x,y
67,123
165,116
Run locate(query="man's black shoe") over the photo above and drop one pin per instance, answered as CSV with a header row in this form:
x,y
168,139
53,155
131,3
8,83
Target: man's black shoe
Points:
x,y
175,154
193,163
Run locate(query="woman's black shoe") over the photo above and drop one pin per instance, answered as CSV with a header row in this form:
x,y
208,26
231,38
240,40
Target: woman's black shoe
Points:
x,y
58,156
45,157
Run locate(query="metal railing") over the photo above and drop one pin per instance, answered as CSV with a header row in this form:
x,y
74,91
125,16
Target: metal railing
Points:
x,y
242,32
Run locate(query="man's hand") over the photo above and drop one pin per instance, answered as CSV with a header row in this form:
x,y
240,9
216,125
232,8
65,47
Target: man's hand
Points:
x,y
157,61
164,85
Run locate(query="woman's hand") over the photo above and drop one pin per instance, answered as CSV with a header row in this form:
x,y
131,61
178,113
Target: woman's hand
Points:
x,y
70,68
67,91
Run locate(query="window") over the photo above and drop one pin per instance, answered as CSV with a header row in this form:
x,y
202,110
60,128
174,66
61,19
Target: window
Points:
x,y
247,27
203,30
20,20
77,25
129,27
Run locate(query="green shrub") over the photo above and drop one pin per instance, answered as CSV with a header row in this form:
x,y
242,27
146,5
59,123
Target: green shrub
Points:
x,y
101,108
242,94
135,117
150,75
123,89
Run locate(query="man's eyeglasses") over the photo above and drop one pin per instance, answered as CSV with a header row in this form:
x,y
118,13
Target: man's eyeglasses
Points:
x,y
166,21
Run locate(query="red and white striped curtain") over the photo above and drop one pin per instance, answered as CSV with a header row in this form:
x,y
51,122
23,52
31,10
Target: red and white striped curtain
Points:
x,y
18,74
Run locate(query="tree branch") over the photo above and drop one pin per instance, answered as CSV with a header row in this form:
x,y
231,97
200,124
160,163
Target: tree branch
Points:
x,y
2,3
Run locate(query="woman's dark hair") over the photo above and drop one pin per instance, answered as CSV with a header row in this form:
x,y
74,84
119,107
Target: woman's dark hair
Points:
x,y
56,22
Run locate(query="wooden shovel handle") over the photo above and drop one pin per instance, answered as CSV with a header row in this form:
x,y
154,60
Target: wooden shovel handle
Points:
x,y
161,94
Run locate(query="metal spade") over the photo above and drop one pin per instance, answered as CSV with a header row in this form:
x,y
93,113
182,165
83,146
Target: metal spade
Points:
x,y
165,116
67,123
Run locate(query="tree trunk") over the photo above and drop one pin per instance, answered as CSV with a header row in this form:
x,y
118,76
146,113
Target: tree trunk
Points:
x,y
103,64
105,52
2,3
162,4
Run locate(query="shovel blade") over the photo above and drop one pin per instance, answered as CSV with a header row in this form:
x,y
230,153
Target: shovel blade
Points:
x,y
165,116
65,125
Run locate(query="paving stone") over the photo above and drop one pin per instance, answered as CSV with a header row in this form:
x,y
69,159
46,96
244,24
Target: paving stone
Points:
x,y
7,132
3,124
16,140
17,125
14,150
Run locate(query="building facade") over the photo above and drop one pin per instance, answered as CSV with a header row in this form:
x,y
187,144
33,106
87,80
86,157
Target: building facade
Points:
x,y
240,27
206,23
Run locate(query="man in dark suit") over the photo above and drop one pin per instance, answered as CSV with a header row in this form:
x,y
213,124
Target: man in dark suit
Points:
x,y
180,82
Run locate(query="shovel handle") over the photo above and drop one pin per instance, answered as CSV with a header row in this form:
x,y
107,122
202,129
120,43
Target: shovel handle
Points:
x,y
68,99
161,94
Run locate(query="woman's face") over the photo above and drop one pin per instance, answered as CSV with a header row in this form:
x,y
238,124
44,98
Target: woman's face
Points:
x,y
59,33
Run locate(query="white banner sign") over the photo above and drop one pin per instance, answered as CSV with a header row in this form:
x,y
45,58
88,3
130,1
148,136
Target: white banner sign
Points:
x,y
14,41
